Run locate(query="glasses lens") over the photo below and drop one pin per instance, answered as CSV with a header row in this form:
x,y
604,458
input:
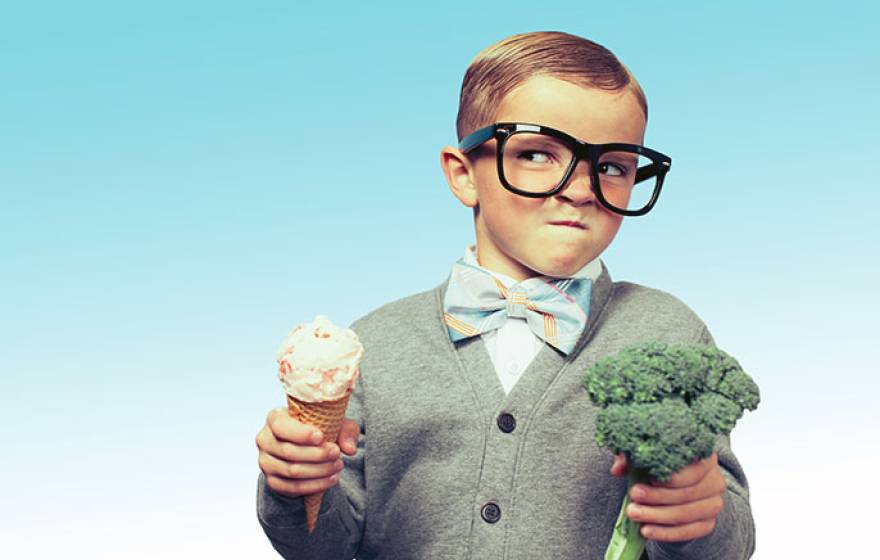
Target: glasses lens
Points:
x,y
535,162
618,173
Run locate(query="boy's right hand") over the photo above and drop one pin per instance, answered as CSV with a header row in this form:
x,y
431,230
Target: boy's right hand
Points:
x,y
295,458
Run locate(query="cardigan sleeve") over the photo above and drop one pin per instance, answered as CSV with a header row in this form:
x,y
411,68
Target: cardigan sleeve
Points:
x,y
338,532
734,535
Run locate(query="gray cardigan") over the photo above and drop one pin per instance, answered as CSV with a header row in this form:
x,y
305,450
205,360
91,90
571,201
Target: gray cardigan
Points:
x,y
449,467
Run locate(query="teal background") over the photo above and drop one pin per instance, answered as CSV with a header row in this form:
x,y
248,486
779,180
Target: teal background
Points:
x,y
181,183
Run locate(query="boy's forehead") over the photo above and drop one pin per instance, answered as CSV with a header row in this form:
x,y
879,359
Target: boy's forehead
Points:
x,y
590,114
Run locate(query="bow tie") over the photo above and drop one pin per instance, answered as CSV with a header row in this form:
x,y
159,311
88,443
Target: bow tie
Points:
x,y
555,308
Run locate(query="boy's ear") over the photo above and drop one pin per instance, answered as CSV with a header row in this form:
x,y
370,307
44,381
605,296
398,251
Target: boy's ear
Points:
x,y
459,175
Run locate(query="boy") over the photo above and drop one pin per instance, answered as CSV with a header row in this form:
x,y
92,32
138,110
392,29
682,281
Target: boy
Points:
x,y
470,433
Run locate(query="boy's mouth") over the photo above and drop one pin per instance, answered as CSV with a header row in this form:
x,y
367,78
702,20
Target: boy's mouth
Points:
x,y
569,223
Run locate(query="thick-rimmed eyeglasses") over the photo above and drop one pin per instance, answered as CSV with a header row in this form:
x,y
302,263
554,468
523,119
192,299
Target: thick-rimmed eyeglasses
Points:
x,y
536,161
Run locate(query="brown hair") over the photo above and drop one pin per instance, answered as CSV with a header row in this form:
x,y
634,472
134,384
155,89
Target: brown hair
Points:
x,y
503,66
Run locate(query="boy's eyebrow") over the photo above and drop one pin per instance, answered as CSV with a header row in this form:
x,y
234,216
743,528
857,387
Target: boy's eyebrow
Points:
x,y
623,155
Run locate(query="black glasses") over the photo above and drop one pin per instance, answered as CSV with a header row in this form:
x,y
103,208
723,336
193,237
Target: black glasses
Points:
x,y
536,161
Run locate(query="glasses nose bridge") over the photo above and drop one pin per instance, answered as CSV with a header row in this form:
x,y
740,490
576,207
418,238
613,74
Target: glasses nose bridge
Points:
x,y
582,152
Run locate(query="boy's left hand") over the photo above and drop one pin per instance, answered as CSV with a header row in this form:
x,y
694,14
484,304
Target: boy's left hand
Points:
x,y
682,508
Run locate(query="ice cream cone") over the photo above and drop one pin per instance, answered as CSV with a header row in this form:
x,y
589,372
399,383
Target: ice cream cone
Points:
x,y
318,366
326,416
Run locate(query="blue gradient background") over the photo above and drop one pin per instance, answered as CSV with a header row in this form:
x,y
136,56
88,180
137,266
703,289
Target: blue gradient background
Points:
x,y
181,183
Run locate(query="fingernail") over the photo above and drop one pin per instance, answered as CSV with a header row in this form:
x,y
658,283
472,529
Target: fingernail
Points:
x,y
317,437
638,493
633,511
334,452
338,465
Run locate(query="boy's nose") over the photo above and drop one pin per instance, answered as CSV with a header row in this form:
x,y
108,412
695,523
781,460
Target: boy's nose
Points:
x,y
578,189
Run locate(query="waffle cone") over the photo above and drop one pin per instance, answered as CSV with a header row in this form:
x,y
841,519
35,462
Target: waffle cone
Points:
x,y
326,416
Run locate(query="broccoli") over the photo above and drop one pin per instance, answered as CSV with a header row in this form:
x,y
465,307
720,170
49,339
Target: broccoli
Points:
x,y
662,405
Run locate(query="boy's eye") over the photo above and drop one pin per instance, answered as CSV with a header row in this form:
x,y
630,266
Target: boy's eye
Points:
x,y
534,156
612,168
619,164
536,151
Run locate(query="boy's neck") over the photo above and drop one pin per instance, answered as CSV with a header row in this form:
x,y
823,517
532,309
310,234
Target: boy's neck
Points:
x,y
515,271
590,270
515,275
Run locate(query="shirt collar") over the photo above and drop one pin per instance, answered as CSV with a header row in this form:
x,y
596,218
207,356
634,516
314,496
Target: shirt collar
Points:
x,y
591,270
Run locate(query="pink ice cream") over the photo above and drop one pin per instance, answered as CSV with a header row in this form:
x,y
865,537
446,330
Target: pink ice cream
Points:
x,y
318,361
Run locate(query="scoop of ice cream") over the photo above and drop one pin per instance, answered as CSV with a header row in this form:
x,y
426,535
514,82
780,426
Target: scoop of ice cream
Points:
x,y
318,361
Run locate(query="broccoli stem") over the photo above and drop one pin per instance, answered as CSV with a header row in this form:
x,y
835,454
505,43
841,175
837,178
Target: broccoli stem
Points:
x,y
627,542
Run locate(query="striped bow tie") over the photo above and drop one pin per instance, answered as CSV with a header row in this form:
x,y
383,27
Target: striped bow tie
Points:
x,y
555,308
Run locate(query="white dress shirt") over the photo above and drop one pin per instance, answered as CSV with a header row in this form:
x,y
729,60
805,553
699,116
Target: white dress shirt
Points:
x,y
513,346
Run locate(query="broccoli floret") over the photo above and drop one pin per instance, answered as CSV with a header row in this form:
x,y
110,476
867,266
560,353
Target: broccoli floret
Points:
x,y
658,437
662,406
716,412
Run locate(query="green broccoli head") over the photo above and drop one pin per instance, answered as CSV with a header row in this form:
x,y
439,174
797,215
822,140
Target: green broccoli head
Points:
x,y
662,404
659,437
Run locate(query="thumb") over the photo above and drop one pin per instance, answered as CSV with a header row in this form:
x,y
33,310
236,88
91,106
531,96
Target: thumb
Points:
x,y
348,436
618,468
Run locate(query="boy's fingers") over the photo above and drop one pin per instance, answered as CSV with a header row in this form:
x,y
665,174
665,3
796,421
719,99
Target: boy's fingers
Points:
x,y
286,428
294,488
691,474
686,532
304,453
711,485
680,514
272,466
348,436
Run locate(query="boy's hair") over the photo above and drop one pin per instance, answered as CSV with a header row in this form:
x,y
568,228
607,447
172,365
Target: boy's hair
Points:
x,y
501,67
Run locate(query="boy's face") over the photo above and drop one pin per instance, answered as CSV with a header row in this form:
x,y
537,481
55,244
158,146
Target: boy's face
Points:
x,y
555,236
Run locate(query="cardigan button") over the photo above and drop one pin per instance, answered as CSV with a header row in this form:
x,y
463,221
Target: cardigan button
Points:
x,y
506,422
491,513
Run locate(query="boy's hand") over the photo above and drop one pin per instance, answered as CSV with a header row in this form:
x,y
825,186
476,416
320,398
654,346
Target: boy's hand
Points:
x,y
682,508
294,457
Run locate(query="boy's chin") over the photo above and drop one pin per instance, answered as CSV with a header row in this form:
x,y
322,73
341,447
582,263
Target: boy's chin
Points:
x,y
559,269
